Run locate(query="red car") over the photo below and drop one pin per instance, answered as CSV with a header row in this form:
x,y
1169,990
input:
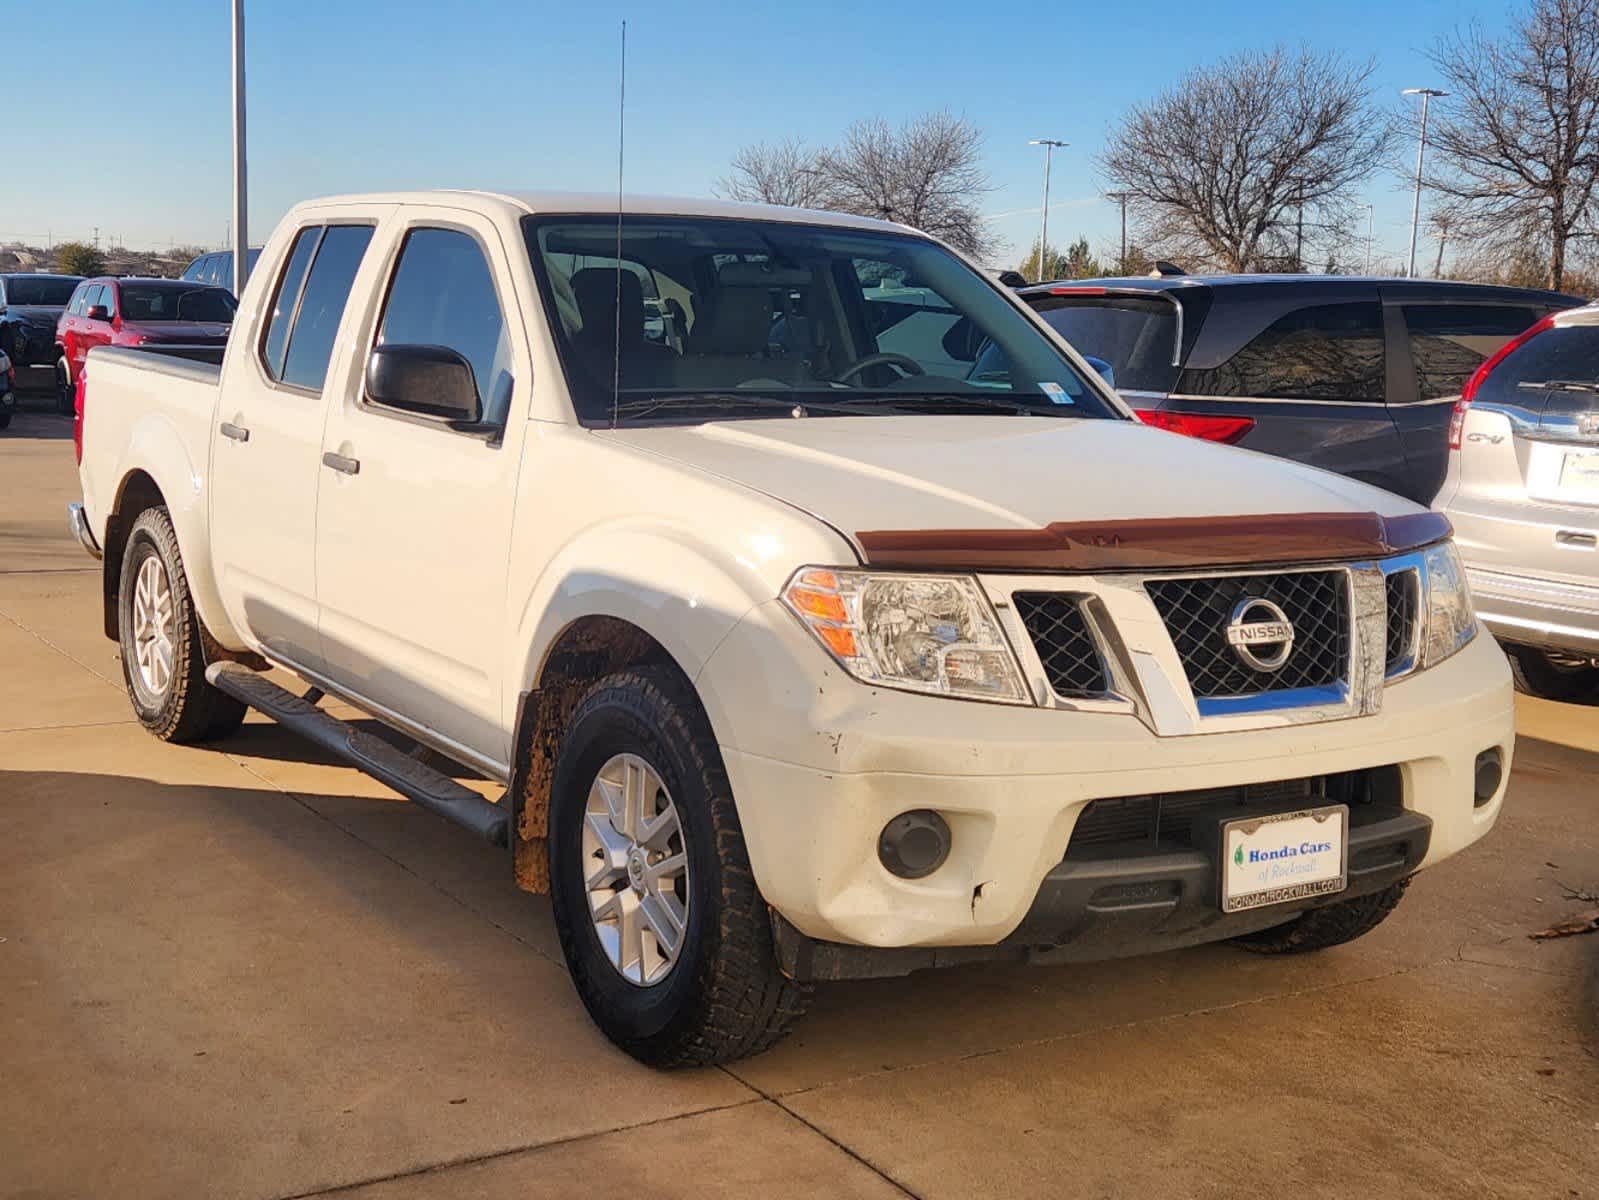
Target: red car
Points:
x,y
190,320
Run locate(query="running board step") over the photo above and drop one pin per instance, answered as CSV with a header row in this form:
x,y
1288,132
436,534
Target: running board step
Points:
x,y
394,768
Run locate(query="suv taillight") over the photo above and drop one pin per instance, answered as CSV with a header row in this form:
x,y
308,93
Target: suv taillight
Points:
x,y
79,393
1457,418
1226,430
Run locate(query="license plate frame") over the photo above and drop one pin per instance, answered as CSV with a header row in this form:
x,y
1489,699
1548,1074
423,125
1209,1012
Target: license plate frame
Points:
x,y
1579,474
1283,855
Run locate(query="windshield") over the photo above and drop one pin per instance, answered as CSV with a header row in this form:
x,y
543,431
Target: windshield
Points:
x,y
720,318
1135,336
45,292
156,302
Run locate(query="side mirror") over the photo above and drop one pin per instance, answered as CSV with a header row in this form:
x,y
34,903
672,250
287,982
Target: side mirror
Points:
x,y
98,312
1105,369
431,381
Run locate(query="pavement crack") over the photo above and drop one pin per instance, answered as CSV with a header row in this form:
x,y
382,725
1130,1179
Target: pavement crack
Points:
x,y
470,1160
70,657
847,1151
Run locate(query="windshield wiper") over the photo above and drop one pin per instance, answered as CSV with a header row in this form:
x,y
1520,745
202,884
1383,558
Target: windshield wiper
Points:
x,y
945,400
796,407
1559,385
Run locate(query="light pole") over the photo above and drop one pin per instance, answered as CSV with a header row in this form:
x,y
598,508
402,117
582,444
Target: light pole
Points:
x,y
239,233
1122,198
1370,218
1049,145
1426,94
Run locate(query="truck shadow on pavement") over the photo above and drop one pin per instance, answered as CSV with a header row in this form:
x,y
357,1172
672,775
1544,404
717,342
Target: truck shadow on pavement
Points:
x,y
346,877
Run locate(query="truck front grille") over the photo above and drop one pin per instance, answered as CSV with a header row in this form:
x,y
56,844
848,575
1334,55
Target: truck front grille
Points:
x,y
1196,612
1065,646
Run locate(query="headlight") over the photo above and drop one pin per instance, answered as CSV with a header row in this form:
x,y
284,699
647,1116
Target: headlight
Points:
x,y
1450,622
920,633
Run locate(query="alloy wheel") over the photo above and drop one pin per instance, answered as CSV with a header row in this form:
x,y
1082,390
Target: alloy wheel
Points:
x,y
635,870
154,627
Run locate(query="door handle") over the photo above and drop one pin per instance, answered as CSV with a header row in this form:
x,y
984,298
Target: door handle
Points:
x,y
341,464
237,432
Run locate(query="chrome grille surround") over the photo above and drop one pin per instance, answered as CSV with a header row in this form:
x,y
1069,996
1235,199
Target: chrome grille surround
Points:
x,y
1145,672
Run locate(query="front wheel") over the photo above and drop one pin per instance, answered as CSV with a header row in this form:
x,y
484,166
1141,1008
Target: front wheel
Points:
x,y
663,929
1551,675
162,640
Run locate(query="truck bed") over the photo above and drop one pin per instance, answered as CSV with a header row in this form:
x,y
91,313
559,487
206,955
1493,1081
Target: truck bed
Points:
x,y
129,392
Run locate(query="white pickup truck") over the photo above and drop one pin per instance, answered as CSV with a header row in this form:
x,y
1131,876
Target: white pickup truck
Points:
x,y
821,612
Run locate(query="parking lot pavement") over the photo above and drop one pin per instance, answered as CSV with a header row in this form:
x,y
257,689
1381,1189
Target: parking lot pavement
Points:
x,y
242,971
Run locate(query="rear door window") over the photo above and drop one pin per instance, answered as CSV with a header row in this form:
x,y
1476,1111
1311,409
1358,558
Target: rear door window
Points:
x,y
321,304
1325,352
1449,342
276,341
443,295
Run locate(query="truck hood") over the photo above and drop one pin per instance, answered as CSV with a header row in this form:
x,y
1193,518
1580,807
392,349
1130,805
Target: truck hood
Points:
x,y
963,472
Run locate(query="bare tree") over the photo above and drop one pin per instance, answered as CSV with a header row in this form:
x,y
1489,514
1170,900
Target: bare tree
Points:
x,y
786,172
1517,147
927,174
1251,162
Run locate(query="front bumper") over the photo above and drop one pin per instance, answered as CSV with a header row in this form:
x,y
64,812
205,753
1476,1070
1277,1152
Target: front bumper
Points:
x,y
1536,612
820,763
1114,907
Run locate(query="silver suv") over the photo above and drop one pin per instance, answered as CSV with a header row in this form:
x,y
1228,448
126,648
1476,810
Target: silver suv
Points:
x,y
1523,492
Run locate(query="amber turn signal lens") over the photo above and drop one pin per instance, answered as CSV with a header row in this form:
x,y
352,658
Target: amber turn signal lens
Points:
x,y
828,606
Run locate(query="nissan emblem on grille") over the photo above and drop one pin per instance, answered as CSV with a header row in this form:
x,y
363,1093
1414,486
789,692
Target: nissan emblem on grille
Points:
x,y
1260,633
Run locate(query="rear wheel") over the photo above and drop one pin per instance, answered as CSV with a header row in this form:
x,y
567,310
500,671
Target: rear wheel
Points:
x,y
1329,925
163,642
666,936
1551,674
64,398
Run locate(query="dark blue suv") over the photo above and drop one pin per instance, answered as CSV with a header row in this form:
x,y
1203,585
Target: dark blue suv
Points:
x,y
1352,374
30,305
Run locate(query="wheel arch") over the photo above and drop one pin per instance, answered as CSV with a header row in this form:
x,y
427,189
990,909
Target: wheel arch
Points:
x,y
586,650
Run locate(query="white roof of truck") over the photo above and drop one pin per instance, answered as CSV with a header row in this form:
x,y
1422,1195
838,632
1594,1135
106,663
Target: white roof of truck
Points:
x,y
605,202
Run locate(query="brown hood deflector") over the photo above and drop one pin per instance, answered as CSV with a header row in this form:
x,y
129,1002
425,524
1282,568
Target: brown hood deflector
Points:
x,y
1164,543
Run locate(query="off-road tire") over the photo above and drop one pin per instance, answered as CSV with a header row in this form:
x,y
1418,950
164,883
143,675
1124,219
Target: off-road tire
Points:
x,y
1330,925
189,709
1538,673
66,402
725,997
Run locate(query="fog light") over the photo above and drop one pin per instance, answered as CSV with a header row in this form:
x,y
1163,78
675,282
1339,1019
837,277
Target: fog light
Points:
x,y
914,844
1490,770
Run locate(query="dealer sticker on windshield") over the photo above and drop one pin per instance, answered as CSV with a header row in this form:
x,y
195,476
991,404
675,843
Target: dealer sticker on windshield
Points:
x,y
1056,393
1278,859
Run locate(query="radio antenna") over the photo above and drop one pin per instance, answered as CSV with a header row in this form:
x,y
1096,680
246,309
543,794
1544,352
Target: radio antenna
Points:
x,y
616,315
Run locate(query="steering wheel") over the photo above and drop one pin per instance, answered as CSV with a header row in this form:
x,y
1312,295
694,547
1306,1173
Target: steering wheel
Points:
x,y
909,365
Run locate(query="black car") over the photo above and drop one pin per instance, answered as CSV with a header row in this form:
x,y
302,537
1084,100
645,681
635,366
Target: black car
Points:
x,y
1355,375
217,268
30,305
